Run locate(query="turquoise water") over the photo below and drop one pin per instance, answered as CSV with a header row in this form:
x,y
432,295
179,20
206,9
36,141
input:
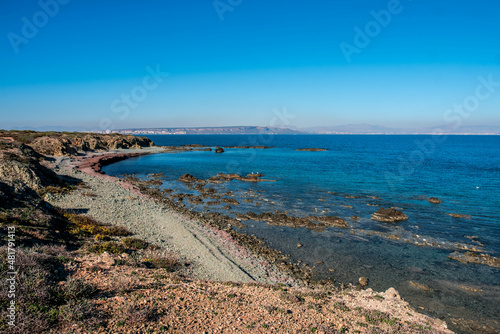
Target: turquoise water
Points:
x,y
356,175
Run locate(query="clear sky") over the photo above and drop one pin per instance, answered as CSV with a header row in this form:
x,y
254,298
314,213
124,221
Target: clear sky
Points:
x,y
89,63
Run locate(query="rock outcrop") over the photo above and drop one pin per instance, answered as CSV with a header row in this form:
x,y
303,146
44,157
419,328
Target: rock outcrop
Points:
x,y
20,164
53,146
70,144
389,215
219,150
318,223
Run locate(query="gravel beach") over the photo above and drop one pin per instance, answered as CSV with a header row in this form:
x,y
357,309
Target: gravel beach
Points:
x,y
210,253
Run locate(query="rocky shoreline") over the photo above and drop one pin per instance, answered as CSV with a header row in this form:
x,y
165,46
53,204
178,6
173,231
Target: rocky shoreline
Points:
x,y
95,163
266,266
65,202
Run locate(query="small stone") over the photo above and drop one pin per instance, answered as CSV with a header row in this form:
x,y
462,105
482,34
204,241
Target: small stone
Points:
x,y
440,323
107,259
363,281
392,293
299,245
319,262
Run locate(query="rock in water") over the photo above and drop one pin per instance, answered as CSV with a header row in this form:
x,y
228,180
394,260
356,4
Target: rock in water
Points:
x,y
389,215
363,281
434,200
188,178
219,150
458,215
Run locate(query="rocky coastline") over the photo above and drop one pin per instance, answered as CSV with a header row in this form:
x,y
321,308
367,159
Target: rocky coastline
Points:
x,y
73,195
95,163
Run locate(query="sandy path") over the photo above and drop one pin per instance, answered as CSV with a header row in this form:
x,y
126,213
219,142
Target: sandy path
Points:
x,y
213,255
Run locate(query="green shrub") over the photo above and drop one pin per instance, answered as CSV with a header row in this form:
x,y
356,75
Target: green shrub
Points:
x,y
134,243
111,247
168,263
86,226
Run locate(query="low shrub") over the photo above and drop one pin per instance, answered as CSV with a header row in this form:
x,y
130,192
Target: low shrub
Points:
x,y
54,190
134,243
134,314
76,289
169,263
86,226
111,247
41,302
291,298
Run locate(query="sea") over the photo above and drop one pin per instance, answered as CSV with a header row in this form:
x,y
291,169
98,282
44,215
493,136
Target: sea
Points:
x,y
355,176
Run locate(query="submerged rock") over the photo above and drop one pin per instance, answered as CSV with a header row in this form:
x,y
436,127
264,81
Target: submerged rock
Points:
x,y
219,150
221,177
420,286
458,215
329,221
389,215
248,146
230,201
312,149
471,257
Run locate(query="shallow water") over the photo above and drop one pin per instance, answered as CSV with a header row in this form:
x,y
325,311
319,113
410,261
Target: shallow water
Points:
x,y
356,175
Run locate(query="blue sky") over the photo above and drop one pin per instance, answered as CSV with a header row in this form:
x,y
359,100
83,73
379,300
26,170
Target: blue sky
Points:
x,y
234,62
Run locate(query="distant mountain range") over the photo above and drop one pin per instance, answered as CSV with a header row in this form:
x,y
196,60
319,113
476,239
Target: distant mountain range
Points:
x,y
222,130
247,130
376,129
339,129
